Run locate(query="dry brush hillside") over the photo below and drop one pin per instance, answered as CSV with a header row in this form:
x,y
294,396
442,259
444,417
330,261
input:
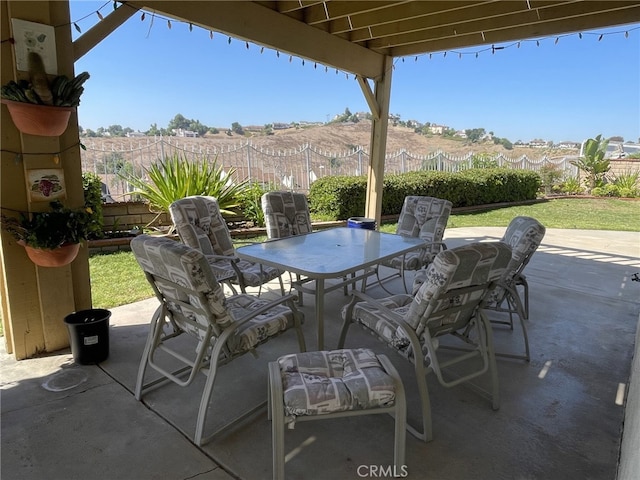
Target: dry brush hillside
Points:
x,y
343,137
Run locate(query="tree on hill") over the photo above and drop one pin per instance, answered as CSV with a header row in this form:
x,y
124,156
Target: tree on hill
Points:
x,y
180,122
237,128
154,130
475,134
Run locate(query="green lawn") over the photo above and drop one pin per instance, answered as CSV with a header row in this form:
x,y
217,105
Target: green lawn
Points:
x,y
116,279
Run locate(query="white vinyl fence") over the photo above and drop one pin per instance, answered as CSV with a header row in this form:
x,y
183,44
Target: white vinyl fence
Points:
x,y
293,169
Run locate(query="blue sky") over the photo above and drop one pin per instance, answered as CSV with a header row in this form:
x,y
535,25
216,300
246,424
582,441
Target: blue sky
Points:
x,y
569,90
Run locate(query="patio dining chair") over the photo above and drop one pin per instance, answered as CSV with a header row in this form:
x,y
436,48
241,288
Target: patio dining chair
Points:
x,y
286,214
423,217
192,303
447,306
200,225
511,293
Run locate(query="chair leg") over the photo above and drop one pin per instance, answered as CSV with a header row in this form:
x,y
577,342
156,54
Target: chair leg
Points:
x,y
281,285
144,361
484,329
427,432
204,401
382,280
300,300
404,280
400,433
515,303
277,420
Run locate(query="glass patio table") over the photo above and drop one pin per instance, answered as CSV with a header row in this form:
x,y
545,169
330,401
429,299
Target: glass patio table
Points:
x,y
329,254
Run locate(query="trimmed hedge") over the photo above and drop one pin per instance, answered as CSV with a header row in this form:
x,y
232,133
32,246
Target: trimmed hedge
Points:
x,y
341,197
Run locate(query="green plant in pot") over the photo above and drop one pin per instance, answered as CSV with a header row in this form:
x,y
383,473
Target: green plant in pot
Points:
x,y
52,238
41,107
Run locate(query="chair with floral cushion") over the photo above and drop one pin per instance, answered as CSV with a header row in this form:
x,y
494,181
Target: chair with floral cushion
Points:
x,y
331,384
511,295
523,235
192,303
286,214
447,306
423,217
200,225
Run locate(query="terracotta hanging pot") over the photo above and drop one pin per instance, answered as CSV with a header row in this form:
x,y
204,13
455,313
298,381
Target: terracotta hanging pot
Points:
x,y
57,257
43,120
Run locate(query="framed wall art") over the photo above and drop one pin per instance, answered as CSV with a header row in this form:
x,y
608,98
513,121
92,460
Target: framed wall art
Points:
x,y
46,184
38,38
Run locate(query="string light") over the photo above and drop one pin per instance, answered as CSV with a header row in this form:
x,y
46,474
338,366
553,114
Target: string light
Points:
x,y
493,48
55,156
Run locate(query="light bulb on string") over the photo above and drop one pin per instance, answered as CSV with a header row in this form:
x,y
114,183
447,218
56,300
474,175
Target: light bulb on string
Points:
x,y
169,24
99,15
143,16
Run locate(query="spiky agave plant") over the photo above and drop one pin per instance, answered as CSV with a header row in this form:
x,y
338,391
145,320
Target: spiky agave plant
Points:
x,y
176,177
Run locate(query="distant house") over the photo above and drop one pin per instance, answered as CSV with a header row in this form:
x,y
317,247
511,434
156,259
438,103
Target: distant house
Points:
x,y
537,143
437,129
181,132
568,145
461,134
135,134
280,126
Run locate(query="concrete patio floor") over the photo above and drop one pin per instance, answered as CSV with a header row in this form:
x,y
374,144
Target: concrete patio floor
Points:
x,y
561,415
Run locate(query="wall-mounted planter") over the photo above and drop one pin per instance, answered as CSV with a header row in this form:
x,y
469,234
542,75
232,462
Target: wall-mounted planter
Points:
x,y
57,257
43,120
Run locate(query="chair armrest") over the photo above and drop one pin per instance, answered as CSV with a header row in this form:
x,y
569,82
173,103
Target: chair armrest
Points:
x,y
227,258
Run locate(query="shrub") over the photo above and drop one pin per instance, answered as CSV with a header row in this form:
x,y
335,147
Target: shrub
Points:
x,y
92,186
341,197
628,184
251,204
571,186
550,176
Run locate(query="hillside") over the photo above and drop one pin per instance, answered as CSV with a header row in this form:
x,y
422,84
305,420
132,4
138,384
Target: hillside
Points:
x,y
339,137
